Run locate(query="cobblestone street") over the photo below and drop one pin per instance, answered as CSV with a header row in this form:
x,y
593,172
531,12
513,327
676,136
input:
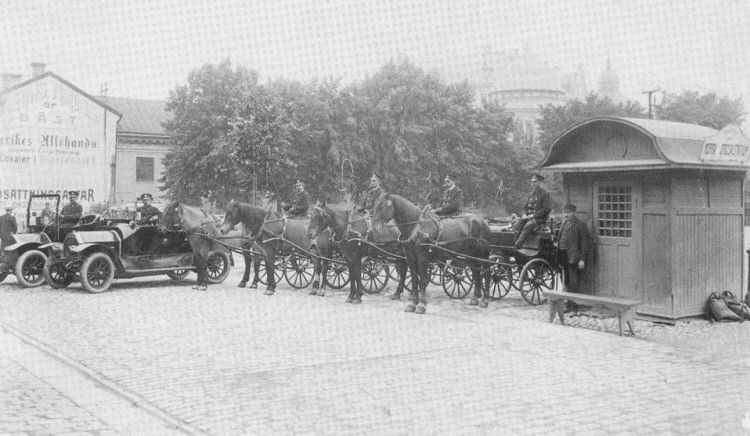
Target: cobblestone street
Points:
x,y
233,361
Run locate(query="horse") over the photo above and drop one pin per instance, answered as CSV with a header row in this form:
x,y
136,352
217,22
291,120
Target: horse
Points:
x,y
268,230
427,238
197,224
349,227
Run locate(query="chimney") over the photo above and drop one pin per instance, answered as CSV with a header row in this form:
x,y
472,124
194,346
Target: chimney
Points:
x,y
9,80
37,68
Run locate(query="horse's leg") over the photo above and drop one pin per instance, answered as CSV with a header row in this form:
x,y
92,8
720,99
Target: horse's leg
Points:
x,y
246,275
269,254
402,268
256,271
356,270
414,270
202,271
424,280
317,267
479,288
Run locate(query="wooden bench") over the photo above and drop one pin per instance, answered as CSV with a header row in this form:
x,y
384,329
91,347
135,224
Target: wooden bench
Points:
x,y
624,308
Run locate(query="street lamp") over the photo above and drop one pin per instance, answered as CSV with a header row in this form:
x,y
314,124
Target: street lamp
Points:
x,y
649,92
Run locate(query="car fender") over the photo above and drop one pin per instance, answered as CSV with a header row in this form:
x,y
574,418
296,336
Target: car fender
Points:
x,y
85,249
22,246
52,247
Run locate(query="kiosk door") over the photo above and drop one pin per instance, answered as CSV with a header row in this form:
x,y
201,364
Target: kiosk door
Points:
x,y
616,235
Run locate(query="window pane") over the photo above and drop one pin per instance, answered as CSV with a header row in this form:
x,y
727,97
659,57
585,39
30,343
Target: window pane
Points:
x,y
144,169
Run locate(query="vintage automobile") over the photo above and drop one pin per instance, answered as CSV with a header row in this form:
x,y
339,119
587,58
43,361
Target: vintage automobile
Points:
x,y
24,254
127,250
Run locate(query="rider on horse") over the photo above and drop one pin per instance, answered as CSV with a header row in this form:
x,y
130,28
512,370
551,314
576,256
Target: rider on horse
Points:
x,y
453,198
300,202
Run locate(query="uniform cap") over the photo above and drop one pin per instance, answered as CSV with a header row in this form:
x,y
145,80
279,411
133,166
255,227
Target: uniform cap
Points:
x,y
73,193
570,207
147,196
451,177
8,208
377,176
299,182
536,177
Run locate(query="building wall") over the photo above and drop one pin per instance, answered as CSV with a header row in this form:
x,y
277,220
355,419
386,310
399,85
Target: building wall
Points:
x,y
126,186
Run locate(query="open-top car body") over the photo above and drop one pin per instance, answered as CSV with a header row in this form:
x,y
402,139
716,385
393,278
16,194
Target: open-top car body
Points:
x,y
127,250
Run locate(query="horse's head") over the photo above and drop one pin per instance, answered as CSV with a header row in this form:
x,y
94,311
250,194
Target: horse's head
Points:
x,y
231,217
171,217
383,211
320,220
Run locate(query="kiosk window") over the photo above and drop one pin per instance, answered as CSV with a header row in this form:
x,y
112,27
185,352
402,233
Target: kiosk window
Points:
x,y
615,211
144,169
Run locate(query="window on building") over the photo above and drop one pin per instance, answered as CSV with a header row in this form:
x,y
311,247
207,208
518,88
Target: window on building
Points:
x,y
144,169
615,211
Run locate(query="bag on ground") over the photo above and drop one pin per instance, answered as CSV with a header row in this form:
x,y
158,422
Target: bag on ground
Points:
x,y
717,310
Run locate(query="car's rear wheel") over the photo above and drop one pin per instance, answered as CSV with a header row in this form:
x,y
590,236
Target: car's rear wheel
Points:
x,y
217,267
55,275
97,272
178,274
30,268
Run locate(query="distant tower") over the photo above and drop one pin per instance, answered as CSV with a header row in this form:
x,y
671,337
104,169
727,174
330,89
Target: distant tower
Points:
x,y
609,84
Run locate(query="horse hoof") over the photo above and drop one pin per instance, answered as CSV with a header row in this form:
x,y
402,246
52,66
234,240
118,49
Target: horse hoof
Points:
x,y
421,309
242,284
268,293
321,293
349,300
254,286
313,292
357,301
484,304
396,297
473,302
410,308
202,288
195,287
316,285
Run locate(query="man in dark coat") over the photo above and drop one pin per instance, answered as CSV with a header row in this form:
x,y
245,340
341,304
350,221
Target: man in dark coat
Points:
x,y
149,214
71,213
8,227
453,197
573,249
300,202
368,200
536,211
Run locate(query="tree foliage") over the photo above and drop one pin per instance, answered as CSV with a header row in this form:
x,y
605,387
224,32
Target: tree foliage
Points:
x,y
708,109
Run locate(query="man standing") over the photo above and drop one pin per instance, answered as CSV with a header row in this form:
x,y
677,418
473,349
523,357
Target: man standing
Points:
x,y
8,227
453,197
149,213
535,213
300,203
371,196
71,213
573,250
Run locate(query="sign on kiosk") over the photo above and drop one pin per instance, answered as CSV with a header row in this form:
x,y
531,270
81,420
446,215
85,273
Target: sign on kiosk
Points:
x,y
730,145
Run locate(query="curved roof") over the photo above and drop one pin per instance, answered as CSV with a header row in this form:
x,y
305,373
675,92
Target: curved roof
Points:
x,y
676,145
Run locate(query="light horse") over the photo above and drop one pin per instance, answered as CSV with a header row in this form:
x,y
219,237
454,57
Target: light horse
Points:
x,y
466,235
197,224
349,227
268,230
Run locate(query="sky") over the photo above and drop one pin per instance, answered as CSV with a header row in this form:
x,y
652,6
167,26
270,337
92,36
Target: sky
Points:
x,y
145,48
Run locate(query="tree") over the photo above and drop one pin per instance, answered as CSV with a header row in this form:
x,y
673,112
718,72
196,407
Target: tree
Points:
x,y
707,110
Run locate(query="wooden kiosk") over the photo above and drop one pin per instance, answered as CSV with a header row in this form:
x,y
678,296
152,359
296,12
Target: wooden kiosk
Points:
x,y
664,205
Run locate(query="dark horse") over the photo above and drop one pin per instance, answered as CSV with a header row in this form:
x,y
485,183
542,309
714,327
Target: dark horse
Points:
x,y
428,238
350,229
197,224
268,230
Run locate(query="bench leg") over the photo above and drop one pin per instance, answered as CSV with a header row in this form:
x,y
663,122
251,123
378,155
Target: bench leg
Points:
x,y
627,318
557,307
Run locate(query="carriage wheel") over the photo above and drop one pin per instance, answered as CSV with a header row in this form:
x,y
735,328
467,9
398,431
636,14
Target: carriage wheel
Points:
x,y
393,273
457,281
217,267
375,275
30,268
500,278
337,275
436,274
537,276
55,275
299,271
278,269
178,274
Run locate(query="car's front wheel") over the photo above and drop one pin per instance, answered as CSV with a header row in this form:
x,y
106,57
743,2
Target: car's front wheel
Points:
x,y
30,268
97,272
55,275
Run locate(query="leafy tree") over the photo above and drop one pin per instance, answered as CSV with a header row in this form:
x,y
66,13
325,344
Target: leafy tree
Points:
x,y
708,109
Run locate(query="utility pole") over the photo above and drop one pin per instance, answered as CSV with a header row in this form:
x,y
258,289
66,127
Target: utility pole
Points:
x,y
650,116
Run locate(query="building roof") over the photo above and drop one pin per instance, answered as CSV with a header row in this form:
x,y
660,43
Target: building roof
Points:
x,y
678,145
146,117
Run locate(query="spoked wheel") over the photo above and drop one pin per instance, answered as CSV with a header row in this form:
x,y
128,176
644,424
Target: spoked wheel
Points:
x,y
217,267
55,275
436,274
500,278
337,275
178,274
30,268
97,272
537,276
299,271
278,270
375,275
457,281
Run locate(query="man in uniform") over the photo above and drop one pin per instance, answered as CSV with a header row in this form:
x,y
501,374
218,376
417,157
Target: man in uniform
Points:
x,y
535,213
453,197
8,227
71,213
300,203
573,250
149,213
368,202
